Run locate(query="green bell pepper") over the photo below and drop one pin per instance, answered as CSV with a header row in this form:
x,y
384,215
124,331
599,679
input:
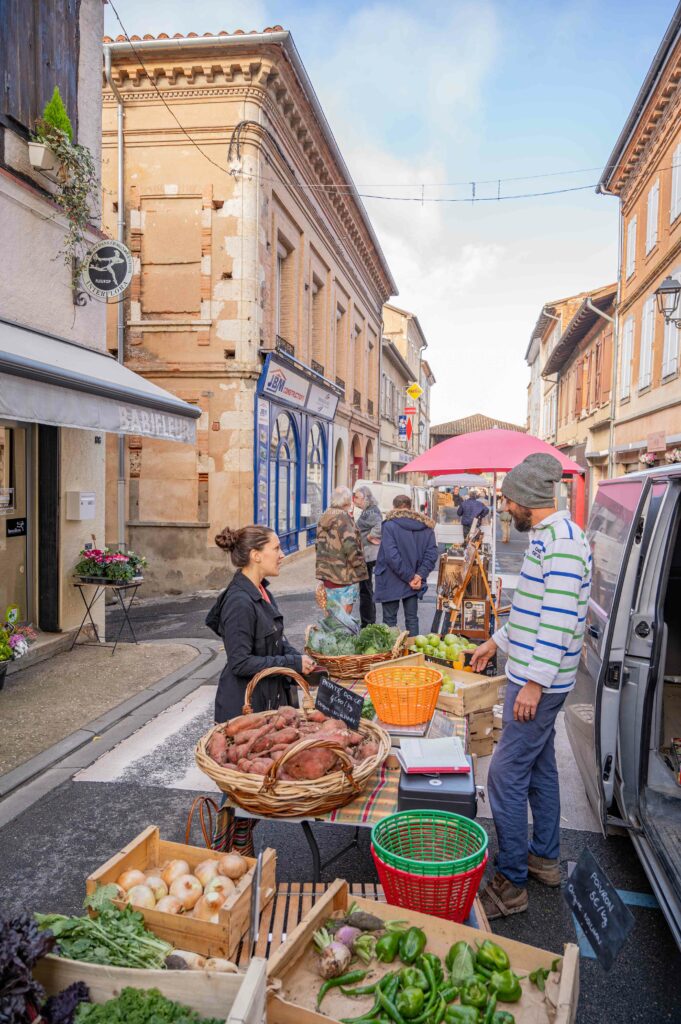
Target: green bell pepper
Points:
x,y
492,957
539,977
474,993
506,985
413,977
462,1015
436,965
449,993
412,945
503,1017
490,1009
460,962
387,947
409,1001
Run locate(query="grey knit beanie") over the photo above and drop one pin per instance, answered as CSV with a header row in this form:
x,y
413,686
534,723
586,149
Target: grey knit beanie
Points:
x,y
532,482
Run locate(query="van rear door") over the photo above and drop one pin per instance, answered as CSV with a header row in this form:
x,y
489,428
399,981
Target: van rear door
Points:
x,y
592,709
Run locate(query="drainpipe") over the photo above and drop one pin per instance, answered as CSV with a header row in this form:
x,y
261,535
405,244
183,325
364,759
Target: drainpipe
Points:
x,y
595,309
601,190
120,332
380,391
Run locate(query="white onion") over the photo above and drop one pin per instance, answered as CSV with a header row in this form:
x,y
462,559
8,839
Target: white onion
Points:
x,y
216,963
232,865
157,886
141,896
206,870
225,886
169,905
192,960
174,869
207,907
130,878
188,890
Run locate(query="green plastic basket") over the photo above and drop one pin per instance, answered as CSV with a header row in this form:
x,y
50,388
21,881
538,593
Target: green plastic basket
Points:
x,y
429,842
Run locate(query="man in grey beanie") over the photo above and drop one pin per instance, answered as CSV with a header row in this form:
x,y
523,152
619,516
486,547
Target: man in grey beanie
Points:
x,y
542,641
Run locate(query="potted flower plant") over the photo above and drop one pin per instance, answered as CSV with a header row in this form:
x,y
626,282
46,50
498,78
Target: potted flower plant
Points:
x,y
100,565
40,149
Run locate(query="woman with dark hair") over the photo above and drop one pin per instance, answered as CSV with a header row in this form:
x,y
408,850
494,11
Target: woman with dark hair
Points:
x,y
251,626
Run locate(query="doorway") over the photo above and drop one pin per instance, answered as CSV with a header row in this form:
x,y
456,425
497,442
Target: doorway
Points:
x,y
14,520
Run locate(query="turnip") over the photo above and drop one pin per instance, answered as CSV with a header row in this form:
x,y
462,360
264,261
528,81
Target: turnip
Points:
x,y
347,935
334,957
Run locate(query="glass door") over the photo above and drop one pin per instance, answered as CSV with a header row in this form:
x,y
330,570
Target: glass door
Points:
x,y
13,520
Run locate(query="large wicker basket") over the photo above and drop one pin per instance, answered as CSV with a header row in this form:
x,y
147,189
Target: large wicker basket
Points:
x,y
353,666
267,795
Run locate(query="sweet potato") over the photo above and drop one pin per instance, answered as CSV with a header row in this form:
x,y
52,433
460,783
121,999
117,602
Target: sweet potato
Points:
x,y
316,716
217,747
333,725
287,716
355,737
368,748
311,764
238,725
256,765
279,736
257,734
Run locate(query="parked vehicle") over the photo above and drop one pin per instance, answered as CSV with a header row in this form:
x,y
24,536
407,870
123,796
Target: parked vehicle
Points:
x,y
625,709
384,492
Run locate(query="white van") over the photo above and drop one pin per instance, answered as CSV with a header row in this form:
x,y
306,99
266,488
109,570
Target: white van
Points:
x,y
385,492
625,710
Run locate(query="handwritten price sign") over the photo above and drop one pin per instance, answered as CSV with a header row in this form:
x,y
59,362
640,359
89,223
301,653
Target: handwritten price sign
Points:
x,y
596,905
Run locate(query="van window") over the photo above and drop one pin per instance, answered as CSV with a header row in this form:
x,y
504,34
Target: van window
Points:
x,y
609,527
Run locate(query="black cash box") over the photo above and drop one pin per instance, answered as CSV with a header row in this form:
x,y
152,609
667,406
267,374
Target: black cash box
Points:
x,y
451,791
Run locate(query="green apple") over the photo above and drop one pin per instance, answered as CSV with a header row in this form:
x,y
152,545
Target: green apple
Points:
x,y
428,650
420,641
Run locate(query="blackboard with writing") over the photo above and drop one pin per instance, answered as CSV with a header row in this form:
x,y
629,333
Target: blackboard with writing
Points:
x,y
337,701
596,905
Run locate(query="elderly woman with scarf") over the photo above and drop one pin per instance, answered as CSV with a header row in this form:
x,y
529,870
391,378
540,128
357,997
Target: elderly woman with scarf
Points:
x,y
369,525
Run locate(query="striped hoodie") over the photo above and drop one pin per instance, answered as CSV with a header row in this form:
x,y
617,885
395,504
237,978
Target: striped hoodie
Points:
x,y
543,637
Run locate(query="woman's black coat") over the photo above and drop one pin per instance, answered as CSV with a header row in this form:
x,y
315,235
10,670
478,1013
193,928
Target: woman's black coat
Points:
x,y
252,631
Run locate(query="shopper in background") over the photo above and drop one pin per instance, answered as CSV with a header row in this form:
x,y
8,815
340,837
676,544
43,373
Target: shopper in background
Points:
x,y
456,497
369,526
340,563
542,641
407,555
505,520
471,508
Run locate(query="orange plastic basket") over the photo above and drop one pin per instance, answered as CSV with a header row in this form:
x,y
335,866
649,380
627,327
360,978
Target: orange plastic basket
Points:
x,y
404,694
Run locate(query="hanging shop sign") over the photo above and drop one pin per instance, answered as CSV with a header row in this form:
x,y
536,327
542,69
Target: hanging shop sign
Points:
x,y
415,391
402,421
283,383
107,269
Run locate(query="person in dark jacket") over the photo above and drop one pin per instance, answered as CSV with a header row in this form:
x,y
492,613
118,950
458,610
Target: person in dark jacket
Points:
x,y
369,525
252,629
408,553
470,509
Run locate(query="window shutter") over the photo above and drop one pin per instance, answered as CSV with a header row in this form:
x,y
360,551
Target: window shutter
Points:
x,y
652,216
606,368
598,371
579,380
627,348
631,247
670,353
675,208
646,353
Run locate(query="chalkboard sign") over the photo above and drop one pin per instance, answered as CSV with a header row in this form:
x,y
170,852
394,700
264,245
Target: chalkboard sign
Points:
x,y
337,701
601,914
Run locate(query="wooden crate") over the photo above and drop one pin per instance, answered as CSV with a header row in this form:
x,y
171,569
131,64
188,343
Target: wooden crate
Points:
x,y
236,998
480,725
482,746
148,850
293,981
474,692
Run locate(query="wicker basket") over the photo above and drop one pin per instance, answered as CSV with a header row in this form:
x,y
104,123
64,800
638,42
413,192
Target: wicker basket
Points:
x,y
404,694
354,666
266,795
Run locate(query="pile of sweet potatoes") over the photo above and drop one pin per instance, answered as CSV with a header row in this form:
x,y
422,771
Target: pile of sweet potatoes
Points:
x,y
253,742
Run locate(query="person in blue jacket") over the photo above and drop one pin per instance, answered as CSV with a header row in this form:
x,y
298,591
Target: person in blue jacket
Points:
x,y
470,509
408,553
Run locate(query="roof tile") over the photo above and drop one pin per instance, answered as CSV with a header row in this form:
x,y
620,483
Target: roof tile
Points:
x,y
471,424
195,35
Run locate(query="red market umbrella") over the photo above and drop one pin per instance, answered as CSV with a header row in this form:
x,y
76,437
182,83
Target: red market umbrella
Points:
x,y
488,451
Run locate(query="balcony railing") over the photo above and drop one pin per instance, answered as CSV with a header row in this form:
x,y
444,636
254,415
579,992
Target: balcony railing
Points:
x,y
356,399
317,367
340,383
370,407
285,346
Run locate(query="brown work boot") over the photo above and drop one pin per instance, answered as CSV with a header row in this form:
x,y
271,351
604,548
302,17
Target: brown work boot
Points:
x,y
502,898
544,870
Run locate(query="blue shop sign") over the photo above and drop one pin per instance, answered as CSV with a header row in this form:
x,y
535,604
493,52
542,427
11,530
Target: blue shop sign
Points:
x,y
288,383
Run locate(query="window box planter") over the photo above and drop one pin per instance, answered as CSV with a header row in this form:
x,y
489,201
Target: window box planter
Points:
x,y
44,159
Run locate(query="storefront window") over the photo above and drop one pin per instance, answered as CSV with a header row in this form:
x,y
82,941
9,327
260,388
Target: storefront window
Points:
x,y
13,522
284,480
316,466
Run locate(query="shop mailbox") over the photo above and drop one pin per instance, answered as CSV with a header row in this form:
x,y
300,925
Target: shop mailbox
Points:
x,y
80,505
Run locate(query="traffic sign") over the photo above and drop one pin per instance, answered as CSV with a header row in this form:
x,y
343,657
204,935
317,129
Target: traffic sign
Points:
x,y
414,391
410,429
410,410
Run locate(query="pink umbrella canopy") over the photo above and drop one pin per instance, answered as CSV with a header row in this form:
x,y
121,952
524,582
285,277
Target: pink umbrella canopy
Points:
x,y
484,451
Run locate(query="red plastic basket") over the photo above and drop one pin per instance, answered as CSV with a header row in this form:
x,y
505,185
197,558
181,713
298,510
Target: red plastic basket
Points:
x,y
448,896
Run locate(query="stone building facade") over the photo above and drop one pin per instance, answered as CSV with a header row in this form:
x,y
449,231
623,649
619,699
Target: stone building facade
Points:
x,y
644,172
404,435
257,296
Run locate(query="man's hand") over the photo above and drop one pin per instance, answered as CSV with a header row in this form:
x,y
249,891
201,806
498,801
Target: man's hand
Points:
x,y
482,654
525,707
416,583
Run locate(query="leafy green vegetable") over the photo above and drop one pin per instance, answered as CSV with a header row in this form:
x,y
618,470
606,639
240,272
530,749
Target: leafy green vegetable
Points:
x,y
116,937
21,946
333,640
136,1006
368,710
379,636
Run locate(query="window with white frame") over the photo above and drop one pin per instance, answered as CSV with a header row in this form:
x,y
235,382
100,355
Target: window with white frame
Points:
x,y
675,207
631,247
627,350
670,353
645,362
652,216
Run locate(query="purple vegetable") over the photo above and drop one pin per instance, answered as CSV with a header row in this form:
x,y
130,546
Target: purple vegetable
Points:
x,y
347,935
334,957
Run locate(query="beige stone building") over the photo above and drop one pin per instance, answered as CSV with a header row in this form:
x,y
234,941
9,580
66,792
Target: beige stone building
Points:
x,y
404,435
644,172
257,297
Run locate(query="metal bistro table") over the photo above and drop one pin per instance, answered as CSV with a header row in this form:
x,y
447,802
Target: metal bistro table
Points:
x,y
125,593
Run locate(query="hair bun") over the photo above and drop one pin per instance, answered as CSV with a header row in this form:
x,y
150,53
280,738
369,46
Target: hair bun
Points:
x,y
227,540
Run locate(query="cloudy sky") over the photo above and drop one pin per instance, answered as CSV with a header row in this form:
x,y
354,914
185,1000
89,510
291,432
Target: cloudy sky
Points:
x,y
457,91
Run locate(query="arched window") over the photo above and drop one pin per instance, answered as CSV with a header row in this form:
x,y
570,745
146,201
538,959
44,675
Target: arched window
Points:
x,y
339,469
316,471
284,480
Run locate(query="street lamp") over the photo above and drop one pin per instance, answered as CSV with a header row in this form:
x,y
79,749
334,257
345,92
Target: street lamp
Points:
x,y
667,296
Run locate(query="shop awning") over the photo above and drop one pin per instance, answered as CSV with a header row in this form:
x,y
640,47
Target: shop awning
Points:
x,y
45,379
